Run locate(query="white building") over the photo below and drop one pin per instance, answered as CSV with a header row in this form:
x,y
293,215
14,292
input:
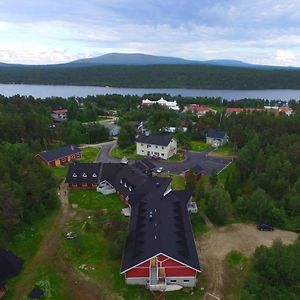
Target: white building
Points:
x,y
216,138
60,115
160,146
162,102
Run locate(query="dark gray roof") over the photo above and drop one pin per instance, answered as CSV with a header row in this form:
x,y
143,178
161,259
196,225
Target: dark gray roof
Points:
x,y
54,154
160,140
10,265
216,134
197,169
83,173
168,231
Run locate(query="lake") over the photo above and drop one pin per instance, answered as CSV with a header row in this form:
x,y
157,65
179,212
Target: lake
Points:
x,y
65,91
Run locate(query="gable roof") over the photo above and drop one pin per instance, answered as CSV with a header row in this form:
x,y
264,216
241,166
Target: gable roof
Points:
x,y
161,140
83,173
54,154
160,224
216,134
10,265
60,111
195,107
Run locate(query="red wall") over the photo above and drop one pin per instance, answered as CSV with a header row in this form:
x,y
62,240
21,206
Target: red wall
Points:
x,y
172,269
197,178
141,270
80,186
63,160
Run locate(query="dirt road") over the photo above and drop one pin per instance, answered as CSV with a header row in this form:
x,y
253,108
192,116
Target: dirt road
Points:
x,y
218,242
48,247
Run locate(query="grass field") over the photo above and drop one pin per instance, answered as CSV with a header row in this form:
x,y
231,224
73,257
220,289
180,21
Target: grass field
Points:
x,y
89,154
223,175
178,182
199,146
179,156
223,151
26,243
129,152
92,200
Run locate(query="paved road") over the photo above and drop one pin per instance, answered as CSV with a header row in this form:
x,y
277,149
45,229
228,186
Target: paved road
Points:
x,y
206,161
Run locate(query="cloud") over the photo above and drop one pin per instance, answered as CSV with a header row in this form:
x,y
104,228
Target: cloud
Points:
x,y
284,57
48,32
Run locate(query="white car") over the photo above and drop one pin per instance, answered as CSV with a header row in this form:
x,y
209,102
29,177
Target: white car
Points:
x,y
159,170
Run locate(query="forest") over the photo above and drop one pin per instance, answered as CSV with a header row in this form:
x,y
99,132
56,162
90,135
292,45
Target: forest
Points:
x,y
154,76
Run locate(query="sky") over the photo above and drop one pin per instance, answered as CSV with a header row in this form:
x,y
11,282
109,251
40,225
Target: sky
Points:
x,y
49,31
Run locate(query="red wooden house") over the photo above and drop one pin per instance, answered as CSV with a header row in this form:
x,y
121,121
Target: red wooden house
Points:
x,y
197,170
160,248
59,156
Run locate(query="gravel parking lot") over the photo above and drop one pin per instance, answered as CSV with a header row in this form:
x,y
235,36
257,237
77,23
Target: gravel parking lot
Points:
x,y
214,245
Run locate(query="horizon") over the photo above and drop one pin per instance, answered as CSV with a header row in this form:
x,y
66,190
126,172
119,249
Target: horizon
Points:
x,y
35,33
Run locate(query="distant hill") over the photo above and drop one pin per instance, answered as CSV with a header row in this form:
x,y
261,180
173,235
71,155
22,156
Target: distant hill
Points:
x,y
132,59
140,59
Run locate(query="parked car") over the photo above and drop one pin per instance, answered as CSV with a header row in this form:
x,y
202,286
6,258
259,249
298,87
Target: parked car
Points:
x,y
264,227
159,170
124,161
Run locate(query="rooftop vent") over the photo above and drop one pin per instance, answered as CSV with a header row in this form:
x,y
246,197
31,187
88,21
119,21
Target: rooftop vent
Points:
x,y
157,184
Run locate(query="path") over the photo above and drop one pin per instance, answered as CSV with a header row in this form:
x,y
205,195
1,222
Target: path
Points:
x,y
214,245
48,246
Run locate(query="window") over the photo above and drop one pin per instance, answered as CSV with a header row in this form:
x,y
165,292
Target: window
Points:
x,y
94,175
162,154
74,175
162,147
173,280
186,280
84,175
148,146
156,147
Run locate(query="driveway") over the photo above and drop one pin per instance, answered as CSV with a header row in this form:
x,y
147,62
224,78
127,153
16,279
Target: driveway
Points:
x,y
207,162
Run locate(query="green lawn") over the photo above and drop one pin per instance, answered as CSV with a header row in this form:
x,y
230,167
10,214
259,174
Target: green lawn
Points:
x,y
199,146
89,154
178,182
223,175
129,152
93,200
223,151
179,156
